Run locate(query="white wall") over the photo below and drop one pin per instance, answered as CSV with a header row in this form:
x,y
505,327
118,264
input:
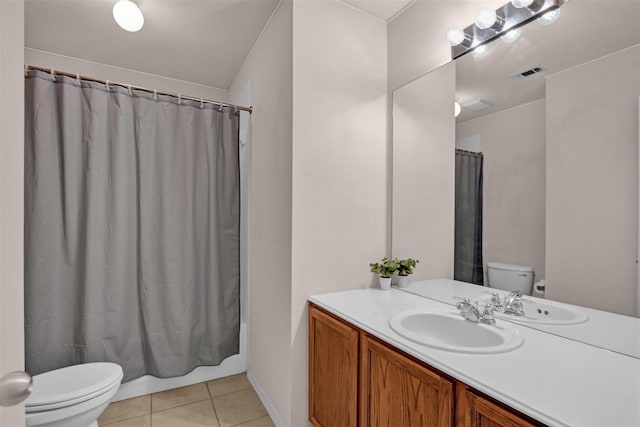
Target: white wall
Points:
x,y
268,72
99,71
424,173
513,143
592,183
11,197
339,161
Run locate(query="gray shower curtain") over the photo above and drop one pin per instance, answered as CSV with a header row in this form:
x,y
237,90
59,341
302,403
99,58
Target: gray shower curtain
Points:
x,y
468,263
132,231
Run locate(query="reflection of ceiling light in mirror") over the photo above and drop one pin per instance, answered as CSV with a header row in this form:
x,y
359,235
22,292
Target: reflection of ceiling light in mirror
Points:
x,y
549,17
128,15
486,18
455,36
479,51
511,36
457,109
521,3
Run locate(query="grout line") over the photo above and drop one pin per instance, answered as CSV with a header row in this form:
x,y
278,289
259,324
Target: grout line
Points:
x,y
215,413
126,419
253,419
178,406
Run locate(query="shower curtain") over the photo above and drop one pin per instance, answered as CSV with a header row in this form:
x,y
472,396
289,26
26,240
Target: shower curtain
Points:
x,y
468,264
132,206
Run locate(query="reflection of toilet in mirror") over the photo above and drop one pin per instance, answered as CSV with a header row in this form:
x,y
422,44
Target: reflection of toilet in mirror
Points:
x,y
510,277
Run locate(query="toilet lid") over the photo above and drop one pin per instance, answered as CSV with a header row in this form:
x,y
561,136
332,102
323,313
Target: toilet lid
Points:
x,y
72,384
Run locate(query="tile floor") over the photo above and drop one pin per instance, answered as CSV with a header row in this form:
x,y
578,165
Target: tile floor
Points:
x,y
224,402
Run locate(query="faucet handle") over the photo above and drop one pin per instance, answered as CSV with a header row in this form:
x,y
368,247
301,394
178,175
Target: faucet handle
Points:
x,y
466,302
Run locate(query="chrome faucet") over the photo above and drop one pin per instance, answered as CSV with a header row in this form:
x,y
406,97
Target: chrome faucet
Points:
x,y
513,303
474,314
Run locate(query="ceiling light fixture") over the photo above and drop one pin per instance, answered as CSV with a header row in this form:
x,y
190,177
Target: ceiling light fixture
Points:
x,y
503,22
128,15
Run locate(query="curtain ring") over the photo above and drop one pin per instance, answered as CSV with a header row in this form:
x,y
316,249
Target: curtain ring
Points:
x,y
78,79
201,103
130,93
107,86
53,74
26,70
179,99
155,94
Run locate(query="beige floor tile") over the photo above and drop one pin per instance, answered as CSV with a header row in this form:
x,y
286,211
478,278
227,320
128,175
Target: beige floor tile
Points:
x,y
178,397
260,422
238,407
227,385
125,409
143,421
199,414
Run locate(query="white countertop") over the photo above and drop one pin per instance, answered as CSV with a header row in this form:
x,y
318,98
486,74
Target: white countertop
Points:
x,y
557,381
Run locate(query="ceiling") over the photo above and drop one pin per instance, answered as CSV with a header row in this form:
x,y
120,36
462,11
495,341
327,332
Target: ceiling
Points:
x,y
383,9
181,39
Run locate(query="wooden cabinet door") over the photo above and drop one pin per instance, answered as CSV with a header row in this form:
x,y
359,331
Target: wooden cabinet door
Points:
x,y
333,371
477,411
395,391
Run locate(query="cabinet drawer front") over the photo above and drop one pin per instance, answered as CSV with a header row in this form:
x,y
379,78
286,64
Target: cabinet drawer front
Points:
x,y
333,371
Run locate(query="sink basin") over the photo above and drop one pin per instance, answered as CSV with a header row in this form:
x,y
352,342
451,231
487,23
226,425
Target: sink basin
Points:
x,y
545,312
447,330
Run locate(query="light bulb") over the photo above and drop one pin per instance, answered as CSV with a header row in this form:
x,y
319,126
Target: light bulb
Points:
x,y
511,36
128,15
457,109
549,17
486,18
479,51
455,36
521,3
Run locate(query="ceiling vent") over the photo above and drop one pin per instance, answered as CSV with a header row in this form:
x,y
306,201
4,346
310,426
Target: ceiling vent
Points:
x,y
528,73
477,104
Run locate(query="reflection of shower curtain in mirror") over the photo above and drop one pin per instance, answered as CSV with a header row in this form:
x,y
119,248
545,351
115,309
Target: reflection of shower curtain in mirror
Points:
x,y
468,266
132,229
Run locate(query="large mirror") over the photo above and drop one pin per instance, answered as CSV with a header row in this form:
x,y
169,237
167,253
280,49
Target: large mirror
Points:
x,y
547,164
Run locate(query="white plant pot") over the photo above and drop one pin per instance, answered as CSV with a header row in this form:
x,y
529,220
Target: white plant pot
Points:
x,y
403,281
385,282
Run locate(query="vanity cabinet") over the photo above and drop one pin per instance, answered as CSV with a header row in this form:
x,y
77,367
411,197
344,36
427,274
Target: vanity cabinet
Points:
x,y
357,380
397,391
333,371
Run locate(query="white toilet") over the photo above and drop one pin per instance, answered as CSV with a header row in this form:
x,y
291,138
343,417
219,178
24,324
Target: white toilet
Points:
x,y
510,277
74,396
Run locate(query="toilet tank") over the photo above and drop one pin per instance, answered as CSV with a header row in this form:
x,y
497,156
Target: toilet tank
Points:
x,y
510,277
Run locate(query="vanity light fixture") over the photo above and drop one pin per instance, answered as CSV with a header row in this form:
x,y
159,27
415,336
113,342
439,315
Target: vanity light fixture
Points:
x,y
549,17
488,18
128,15
456,36
511,35
505,21
521,3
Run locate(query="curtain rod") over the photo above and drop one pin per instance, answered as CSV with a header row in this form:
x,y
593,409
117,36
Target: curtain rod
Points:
x,y
128,86
477,153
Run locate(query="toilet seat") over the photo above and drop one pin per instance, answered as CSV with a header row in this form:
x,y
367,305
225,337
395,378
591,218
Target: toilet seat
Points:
x,y
72,385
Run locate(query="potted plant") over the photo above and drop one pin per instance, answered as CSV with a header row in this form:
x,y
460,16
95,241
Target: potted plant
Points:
x,y
385,269
405,268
